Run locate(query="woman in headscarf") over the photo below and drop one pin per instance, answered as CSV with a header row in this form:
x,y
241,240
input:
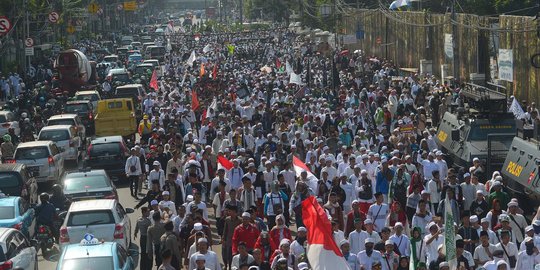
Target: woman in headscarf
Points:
x,y
494,213
397,214
418,249
266,245
280,231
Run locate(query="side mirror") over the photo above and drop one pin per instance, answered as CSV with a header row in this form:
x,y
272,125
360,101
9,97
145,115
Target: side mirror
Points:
x,y
455,135
130,210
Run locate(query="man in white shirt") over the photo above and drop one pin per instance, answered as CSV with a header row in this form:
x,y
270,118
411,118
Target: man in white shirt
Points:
x,y
517,223
235,175
210,257
378,212
432,241
157,174
509,248
332,172
133,171
428,165
526,258
167,203
484,252
400,240
369,256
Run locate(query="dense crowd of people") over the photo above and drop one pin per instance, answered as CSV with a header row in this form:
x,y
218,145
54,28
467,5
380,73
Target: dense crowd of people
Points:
x,y
226,125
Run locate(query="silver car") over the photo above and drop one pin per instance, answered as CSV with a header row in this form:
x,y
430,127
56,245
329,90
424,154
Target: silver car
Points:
x,y
16,251
66,139
42,158
104,218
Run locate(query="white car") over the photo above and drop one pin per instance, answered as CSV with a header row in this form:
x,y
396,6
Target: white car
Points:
x,y
69,119
16,251
92,95
66,138
7,120
42,158
105,218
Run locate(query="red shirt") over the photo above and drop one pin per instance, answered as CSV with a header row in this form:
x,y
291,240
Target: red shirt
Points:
x,y
274,235
247,234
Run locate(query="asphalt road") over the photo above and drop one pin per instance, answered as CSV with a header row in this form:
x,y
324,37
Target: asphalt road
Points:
x,y
128,202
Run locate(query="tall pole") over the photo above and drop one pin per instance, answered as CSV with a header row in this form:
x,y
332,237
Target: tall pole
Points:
x,y
335,26
27,26
241,11
455,48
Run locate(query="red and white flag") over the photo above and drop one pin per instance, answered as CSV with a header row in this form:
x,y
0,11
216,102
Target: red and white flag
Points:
x,y
153,81
227,164
300,167
322,252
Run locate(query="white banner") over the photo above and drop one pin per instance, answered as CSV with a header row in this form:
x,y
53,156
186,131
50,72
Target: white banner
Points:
x,y
448,46
506,65
349,39
295,79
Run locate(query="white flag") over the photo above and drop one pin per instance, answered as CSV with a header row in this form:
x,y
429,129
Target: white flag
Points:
x,y
295,79
516,109
191,59
214,108
207,48
288,68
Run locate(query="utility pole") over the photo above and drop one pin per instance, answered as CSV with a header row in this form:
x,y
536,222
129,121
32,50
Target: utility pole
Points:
x,y
27,26
335,26
241,11
455,66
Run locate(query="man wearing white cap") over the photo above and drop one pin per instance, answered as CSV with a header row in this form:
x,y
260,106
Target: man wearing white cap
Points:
x,y
526,258
167,203
285,253
157,174
517,222
432,241
389,256
479,207
210,257
485,226
350,257
328,168
469,192
401,240
441,163
297,246
428,165
369,256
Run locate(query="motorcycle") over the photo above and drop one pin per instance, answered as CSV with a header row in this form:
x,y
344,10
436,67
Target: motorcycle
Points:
x,y
45,236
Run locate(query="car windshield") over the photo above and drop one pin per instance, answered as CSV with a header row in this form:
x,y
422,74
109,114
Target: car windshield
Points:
x,y
7,212
54,135
31,153
132,91
123,77
8,180
91,97
57,122
76,108
105,149
90,263
83,183
84,218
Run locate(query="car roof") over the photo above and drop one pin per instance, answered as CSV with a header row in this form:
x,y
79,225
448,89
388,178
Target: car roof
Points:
x,y
87,92
78,102
34,144
5,112
79,174
8,200
75,251
55,127
150,60
107,139
145,64
11,167
118,70
100,204
63,116
129,86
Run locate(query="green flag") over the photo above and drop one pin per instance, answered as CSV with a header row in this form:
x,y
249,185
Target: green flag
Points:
x,y
449,234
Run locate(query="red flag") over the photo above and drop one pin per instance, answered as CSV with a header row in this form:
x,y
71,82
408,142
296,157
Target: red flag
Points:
x,y
227,164
214,71
323,252
202,71
278,63
194,100
203,116
153,81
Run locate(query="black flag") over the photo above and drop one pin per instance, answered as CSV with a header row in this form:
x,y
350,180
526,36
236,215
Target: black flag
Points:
x,y
335,75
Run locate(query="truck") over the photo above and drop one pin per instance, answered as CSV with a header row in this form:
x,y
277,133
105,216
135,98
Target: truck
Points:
x,y
481,127
116,117
74,72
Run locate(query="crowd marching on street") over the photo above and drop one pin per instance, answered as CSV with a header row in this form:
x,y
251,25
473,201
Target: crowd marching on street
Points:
x,y
252,124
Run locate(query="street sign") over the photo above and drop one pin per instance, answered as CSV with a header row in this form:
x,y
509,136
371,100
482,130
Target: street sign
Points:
x,y
130,6
71,29
29,42
53,17
93,8
29,51
5,25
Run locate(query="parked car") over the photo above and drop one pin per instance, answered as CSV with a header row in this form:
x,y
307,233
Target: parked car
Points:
x,y
108,153
16,251
15,179
87,185
7,121
69,119
42,158
105,218
66,138
15,212
90,253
